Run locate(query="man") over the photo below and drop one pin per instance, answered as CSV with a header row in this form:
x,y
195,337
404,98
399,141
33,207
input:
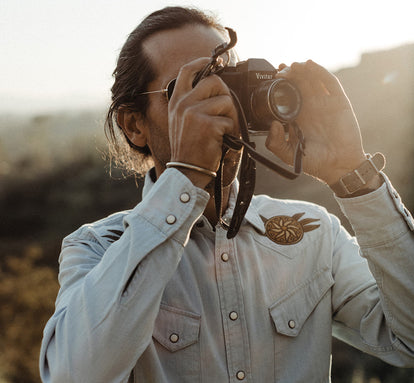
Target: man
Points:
x,y
159,294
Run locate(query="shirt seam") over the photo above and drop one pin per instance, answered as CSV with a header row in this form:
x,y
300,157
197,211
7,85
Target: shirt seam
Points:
x,y
396,237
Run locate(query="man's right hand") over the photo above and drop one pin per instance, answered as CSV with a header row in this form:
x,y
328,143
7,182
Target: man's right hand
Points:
x,y
198,118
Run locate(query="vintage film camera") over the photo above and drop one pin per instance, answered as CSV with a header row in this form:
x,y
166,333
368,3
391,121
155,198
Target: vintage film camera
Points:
x,y
262,96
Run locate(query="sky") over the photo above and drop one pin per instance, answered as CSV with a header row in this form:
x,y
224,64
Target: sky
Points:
x,y
60,54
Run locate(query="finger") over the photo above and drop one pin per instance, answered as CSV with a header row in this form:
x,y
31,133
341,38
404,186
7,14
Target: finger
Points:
x,y
210,86
277,144
217,106
296,74
323,78
330,80
282,66
309,82
307,77
186,75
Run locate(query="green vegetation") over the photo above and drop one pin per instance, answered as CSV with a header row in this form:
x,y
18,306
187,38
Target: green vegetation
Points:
x,y
27,292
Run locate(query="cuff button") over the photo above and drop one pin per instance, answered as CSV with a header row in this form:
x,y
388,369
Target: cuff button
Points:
x,y
171,219
185,197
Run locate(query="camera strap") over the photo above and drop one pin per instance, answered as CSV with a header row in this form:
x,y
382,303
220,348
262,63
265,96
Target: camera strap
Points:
x,y
247,174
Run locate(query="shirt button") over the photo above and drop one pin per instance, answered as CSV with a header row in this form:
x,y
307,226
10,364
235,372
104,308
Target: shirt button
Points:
x,y
185,197
292,324
233,315
241,375
174,338
224,257
171,219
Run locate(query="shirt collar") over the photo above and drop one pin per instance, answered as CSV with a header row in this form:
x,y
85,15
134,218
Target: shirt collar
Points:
x,y
149,181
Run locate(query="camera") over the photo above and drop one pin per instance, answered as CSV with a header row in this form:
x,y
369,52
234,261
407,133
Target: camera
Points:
x,y
263,97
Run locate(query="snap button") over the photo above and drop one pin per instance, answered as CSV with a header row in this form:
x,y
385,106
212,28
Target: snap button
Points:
x,y
233,315
224,257
292,324
226,220
174,338
240,375
185,197
171,219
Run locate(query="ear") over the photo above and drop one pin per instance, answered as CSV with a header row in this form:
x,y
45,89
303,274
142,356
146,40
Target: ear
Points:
x,y
133,127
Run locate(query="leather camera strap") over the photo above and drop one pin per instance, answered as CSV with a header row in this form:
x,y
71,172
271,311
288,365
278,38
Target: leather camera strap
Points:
x,y
247,177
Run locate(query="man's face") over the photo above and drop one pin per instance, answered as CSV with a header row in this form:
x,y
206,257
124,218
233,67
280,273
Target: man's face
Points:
x,y
169,51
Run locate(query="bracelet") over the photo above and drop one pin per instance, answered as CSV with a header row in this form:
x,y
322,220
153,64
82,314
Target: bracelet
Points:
x,y
191,167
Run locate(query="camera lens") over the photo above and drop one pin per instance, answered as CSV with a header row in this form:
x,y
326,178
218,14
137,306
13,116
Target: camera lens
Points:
x,y
276,99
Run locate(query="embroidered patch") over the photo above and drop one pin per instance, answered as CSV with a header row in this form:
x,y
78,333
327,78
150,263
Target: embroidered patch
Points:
x,y
285,230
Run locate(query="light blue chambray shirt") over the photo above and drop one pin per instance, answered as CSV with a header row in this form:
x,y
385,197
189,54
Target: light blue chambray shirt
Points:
x,y
156,290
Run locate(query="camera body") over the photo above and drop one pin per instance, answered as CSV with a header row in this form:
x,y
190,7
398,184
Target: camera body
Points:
x,y
263,97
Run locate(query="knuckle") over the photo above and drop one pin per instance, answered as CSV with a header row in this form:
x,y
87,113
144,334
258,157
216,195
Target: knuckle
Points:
x,y
218,85
295,65
192,66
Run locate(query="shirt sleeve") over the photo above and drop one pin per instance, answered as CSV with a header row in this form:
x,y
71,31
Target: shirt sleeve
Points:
x,y
377,316
110,297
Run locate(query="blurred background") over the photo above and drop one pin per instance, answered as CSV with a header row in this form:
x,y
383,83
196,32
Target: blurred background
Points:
x,y
55,75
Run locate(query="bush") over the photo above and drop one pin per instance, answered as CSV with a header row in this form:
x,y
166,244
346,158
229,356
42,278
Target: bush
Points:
x,y
27,293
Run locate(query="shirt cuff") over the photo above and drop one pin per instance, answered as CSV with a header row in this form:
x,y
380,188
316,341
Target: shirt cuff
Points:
x,y
172,205
377,217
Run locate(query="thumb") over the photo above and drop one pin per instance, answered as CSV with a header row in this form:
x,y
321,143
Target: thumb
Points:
x,y
280,144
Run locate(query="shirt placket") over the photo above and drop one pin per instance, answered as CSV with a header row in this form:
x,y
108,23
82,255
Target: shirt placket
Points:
x,y
232,309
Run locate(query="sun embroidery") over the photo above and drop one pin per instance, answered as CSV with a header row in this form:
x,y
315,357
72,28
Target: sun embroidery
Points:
x,y
285,230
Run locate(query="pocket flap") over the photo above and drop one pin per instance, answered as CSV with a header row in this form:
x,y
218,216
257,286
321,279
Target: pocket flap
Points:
x,y
290,312
176,329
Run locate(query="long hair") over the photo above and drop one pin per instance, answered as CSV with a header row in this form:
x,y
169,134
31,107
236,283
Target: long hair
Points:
x,y
133,73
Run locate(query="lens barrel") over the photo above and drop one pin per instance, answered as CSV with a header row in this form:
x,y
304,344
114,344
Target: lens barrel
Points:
x,y
276,99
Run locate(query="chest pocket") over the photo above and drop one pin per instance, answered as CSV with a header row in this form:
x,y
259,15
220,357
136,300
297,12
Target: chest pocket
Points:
x,y
290,312
303,321
176,329
174,354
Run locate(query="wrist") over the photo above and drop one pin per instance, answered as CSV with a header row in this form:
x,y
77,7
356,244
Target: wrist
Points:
x,y
199,176
362,180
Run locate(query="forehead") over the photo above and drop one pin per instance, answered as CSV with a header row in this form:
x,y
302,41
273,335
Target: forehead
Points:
x,y
169,50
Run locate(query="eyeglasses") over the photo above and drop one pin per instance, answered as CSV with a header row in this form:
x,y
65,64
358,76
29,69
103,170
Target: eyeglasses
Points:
x,y
168,91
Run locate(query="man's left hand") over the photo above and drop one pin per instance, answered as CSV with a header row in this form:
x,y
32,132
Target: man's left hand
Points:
x,y
331,131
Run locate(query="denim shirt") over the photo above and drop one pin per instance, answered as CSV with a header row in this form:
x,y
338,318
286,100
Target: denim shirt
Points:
x,y
158,291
